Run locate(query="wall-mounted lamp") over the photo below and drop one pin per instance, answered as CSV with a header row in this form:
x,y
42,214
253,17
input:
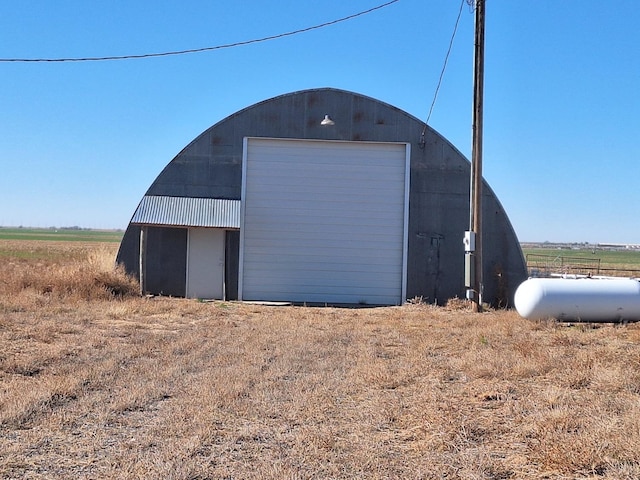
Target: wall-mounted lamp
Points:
x,y
327,121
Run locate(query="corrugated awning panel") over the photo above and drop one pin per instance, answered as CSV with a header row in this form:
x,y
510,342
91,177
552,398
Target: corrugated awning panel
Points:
x,y
187,212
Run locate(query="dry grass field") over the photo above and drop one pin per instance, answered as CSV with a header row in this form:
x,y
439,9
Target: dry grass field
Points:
x,y
98,383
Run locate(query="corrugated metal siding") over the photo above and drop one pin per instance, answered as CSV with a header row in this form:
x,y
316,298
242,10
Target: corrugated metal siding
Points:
x,y
188,212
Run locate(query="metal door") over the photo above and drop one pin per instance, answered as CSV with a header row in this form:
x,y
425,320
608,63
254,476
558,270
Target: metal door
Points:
x,y
205,263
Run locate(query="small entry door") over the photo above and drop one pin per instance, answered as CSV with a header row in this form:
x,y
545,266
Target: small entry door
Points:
x,y
205,263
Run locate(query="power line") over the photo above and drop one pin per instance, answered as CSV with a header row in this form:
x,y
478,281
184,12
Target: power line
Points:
x,y
444,67
203,49
446,59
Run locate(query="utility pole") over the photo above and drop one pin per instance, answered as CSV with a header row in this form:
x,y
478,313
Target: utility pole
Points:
x,y
473,238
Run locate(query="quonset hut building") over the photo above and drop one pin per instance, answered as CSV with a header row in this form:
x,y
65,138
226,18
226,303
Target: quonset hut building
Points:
x,y
317,196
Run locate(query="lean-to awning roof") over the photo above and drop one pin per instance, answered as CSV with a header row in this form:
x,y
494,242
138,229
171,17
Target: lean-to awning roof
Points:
x,y
188,212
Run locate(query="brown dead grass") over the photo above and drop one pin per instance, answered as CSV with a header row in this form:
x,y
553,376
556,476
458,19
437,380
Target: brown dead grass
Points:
x,y
37,273
117,386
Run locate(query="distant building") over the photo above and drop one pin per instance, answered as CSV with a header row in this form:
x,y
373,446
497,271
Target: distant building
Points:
x,y
275,204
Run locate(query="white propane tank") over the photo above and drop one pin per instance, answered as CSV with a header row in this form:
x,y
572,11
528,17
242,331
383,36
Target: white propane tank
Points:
x,y
579,299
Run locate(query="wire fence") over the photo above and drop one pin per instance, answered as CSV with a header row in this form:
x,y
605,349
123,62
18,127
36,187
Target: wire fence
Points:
x,y
539,265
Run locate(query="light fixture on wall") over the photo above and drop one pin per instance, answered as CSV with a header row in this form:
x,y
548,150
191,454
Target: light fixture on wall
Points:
x,y
327,121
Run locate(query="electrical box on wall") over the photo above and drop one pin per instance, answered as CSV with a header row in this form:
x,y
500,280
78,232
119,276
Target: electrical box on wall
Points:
x,y
469,241
469,270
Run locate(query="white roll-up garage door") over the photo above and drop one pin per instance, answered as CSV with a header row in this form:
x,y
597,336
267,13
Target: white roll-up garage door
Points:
x,y
324,221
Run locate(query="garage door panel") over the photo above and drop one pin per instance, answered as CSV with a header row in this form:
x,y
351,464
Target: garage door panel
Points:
x,y
317,174
335,297
349,171
342,200
350,260
330,216
354,280
324,221
315,249
358,294
351,224
345,249
353,232
328,266
327,153
350,166
327,194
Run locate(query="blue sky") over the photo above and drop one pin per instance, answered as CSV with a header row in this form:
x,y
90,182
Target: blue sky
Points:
x,y
81,142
